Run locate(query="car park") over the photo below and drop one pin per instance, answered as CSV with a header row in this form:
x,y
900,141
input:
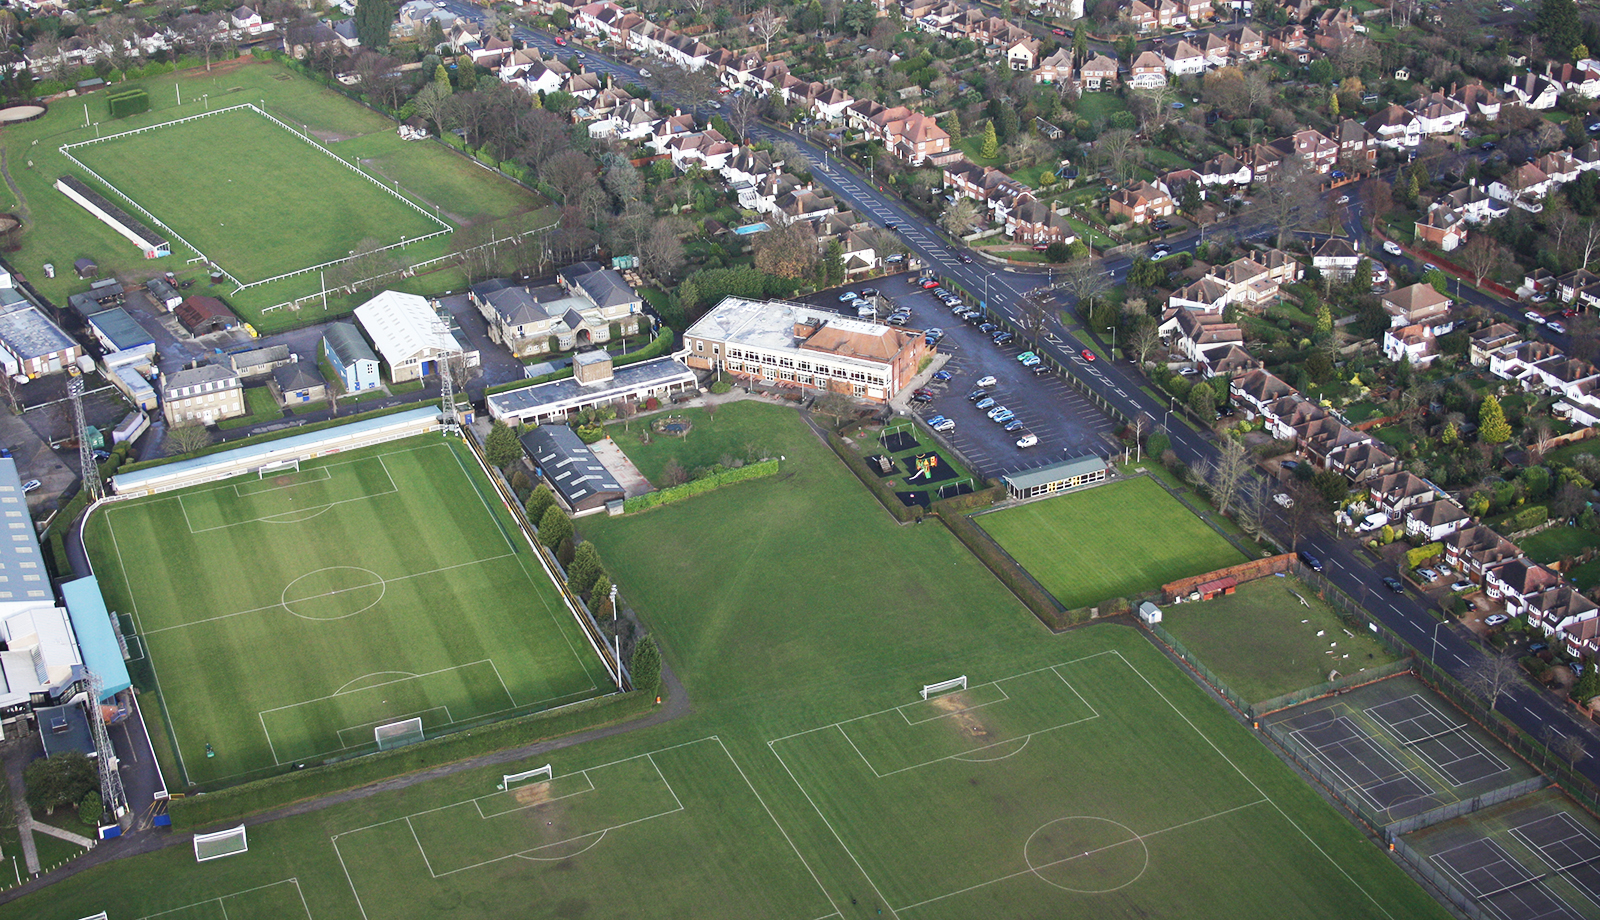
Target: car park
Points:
x,y
987,380
986,403
973,317
929,284
1014,425
988,328
31,485
1003,338
1031,360
1002,417
924,391
866,311
1393,584
847,297
869,292
1028,440
946,425
1392,248
935,332
1463,585
1496,619
899,319
922,398
1040,369
976,394
1025,356
942,375
996,410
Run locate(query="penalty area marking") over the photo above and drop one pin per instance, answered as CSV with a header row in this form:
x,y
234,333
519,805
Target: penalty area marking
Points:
x,y
219,901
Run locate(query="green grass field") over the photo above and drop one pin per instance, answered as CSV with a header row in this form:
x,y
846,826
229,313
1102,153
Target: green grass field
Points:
x,y
59,231
273,202
285,618
738,430
1264,642
808,780
1118,540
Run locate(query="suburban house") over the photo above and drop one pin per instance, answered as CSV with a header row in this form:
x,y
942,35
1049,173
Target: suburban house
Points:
x,y
201,395
1433,521
1415,343
1141,202
1475,548
1148,71
1517,582
350,357
1056,68
1097,73
1419,303
1336,258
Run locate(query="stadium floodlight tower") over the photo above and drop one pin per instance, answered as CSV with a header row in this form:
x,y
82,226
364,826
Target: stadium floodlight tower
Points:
x,y
447,395
111,792
86,465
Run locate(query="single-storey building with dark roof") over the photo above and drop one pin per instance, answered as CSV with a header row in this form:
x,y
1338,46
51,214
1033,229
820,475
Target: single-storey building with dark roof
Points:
x,y
1057,477
203,315
580,481
298,382
117,330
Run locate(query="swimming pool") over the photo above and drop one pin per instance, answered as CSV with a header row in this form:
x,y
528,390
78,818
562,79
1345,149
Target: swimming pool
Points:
x,y
748,229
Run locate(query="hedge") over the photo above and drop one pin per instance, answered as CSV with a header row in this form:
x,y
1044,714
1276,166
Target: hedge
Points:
x,y
971,501
1416,557
1011,574
891,502
1531,516
131,100
315,782
700,486
275,435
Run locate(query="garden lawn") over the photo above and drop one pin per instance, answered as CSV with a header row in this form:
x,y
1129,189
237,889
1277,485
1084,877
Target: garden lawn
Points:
x,y
741,430
1553,543
1123,539
262,406
1264,642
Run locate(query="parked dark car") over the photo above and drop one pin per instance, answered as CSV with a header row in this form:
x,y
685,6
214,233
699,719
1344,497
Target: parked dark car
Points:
x,y
1393,584
1312,562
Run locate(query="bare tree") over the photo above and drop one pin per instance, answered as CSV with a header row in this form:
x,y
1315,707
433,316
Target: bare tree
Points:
x,y
693,88
766,25
661,251
9,393
1306,510
1570,748
1490,677
1117,151
1588,239
1227,474
1483,256
1033,314
1085,280
1255,498
187,438
741,112
1258,89
1287,200
959,218
1145,340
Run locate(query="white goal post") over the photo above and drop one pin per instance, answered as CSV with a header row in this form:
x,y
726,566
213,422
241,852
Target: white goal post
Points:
x,y
220,844
395,734
508,779
942,686
281,466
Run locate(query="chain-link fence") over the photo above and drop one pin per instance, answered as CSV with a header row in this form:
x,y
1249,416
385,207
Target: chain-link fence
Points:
x,y
1453,810
1442,883
1216,683
1306,694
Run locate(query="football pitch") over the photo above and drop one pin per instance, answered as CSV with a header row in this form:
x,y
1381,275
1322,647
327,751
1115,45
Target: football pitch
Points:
x,y
282,619
256,198
1117,540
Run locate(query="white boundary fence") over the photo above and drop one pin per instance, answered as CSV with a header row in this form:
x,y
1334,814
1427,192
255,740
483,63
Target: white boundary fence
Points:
x,y
66,150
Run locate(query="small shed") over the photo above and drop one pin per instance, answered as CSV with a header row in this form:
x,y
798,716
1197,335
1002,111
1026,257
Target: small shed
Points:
x,y
1216,588
63,729
1149,613
203,315
85,267
163,293
298,383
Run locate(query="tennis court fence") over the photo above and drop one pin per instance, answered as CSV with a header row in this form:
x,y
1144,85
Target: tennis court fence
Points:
x,y
1453,810
1464,904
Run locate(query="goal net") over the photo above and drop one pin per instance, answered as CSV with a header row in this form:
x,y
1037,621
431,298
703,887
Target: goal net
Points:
x,y
508,780
958,683
99,916
282,466
395,734
220,844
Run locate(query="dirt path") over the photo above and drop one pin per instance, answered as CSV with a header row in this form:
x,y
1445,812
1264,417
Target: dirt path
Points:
x,y
676,704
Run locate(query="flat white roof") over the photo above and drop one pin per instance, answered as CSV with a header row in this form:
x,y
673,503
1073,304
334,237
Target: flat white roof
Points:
x,y
404,325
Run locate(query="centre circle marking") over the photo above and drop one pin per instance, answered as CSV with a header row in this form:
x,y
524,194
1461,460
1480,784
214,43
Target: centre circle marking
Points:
x,y
374,579
1143,862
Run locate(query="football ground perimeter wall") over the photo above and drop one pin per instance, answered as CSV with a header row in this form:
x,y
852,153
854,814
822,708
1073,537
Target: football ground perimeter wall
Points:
x,y
181,474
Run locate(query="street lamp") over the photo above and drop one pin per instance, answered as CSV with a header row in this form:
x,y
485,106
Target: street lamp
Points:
x,y
1433,651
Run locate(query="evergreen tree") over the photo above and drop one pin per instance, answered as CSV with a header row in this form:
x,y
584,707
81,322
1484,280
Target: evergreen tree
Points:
x,y
1333,104
373,20
1492,425
991,143
1080,44
1324,321
539,502
1203,400
441,78
500,448
646,666
600,595
951,124
555,527
1558,26
585,568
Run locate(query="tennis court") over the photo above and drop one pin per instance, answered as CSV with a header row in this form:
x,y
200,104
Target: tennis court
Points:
x,y
1397,747
1565,847
1500,884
